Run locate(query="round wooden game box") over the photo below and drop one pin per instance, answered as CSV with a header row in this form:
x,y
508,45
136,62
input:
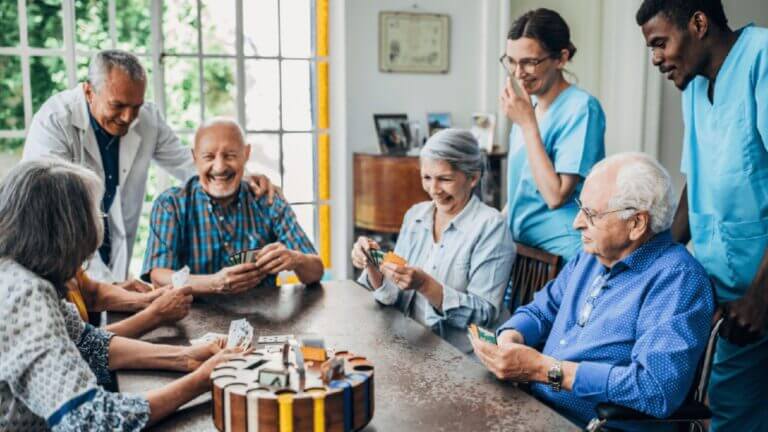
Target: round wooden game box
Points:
x,y
244,400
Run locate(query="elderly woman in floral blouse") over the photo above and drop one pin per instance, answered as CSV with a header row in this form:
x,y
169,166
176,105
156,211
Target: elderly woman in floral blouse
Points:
x,y
50,360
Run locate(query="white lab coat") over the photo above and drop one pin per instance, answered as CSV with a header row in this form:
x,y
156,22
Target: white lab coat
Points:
x,y
62,128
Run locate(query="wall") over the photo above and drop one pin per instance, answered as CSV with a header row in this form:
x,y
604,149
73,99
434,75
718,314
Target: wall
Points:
x,y
460,91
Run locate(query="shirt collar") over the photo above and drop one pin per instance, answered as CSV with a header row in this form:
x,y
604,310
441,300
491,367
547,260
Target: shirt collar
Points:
x,y
460,222
646,254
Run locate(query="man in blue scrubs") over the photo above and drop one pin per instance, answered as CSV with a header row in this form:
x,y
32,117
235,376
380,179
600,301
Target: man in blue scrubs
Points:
x,y
724,207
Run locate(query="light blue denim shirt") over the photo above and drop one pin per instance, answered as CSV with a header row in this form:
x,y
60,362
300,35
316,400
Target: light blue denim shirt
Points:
x,y
472,262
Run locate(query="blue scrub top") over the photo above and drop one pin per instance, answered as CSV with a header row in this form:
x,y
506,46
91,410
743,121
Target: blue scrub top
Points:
x,y
573,132
725,159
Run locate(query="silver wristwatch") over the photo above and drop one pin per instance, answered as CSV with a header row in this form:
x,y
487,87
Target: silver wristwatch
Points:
x,y
555,375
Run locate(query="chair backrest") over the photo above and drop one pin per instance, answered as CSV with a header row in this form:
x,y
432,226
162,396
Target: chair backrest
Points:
x,y
701,380
532,270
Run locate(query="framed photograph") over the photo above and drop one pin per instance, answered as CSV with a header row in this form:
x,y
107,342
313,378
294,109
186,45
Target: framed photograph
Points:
x,y
413,42
393,132
484,128
438,121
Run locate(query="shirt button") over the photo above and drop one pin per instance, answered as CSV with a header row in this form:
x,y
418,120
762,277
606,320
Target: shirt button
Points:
x,y
562,341
434,267
221,218
226,244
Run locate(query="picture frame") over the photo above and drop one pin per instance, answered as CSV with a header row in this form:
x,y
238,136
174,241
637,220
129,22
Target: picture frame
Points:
x,y
412,42
484,130
438,121
393,133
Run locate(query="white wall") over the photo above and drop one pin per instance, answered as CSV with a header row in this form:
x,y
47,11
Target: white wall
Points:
x,y
461,91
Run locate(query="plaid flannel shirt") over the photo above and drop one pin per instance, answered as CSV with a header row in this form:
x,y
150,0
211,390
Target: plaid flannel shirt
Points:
x,y
188,228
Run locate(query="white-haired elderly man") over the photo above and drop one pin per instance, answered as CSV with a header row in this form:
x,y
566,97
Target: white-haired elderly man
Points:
x,y
627,320
105,125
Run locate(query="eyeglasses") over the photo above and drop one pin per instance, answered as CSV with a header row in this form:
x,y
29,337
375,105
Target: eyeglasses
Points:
x,y
528,65
592,215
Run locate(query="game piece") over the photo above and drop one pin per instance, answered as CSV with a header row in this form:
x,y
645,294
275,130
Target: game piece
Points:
x,y
257,392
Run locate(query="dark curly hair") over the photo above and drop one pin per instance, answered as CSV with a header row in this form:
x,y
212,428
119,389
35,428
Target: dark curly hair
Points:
x,y
681,11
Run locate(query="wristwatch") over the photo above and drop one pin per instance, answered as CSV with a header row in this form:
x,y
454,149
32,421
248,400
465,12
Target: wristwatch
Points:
x,y
555,375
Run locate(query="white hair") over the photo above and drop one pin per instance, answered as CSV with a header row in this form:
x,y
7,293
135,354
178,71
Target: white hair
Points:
x,y
644,185
103,61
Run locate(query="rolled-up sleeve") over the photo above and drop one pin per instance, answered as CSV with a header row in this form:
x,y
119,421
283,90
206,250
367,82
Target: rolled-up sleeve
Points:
x,y
534,320
669,344
490,266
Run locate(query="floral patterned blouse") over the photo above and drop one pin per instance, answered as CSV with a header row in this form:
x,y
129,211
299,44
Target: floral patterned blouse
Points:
x,y
51,363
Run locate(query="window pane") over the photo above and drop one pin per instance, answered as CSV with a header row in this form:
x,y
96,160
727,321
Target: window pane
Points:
x,y
260,27
265,156
298,161
9,22
295,28
92,24
48,76
180,26
10,150
44,23
218,17
297,101
182,87
12,101
262,95
220,88
305,215
133,25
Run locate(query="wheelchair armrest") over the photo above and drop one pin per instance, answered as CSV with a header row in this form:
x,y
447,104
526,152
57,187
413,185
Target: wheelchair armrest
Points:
x,y
689,411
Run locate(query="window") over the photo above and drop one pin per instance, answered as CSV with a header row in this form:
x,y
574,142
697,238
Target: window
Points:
x,y
262,62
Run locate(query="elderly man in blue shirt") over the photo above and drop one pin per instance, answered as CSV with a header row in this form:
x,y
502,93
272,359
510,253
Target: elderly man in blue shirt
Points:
x,y
627,320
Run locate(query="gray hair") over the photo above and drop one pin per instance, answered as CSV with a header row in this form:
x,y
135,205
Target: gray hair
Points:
x,y
103,61
49,218
643,184
459,148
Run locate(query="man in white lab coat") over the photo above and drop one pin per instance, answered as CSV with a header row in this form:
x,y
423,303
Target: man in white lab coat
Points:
x,y
105,125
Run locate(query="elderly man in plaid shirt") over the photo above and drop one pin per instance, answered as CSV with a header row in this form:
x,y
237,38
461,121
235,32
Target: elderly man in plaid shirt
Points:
x,y
214,216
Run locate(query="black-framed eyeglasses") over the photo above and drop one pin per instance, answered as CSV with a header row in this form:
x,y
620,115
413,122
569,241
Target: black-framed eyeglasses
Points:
x,y
592,215
528,65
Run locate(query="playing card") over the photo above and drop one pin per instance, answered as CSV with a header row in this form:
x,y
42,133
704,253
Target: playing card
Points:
x,y
275,339
378,256
250,256
180,278
482,334
208,337
240,334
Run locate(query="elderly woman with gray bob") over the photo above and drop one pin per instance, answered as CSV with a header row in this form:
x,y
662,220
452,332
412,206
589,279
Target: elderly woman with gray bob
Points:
x,y
458,250
54,366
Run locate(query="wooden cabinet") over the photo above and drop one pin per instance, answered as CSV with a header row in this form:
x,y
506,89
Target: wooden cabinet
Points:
x,y
385,187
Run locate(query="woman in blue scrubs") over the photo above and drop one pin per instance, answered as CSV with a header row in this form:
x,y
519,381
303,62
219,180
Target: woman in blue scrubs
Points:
x,y
557,134
723,210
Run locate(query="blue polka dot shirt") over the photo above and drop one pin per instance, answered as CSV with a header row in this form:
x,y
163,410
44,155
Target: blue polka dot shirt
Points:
x,y
636,330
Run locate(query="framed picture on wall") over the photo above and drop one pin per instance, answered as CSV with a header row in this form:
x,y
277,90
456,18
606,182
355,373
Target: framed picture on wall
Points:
x,y
393,132
413,42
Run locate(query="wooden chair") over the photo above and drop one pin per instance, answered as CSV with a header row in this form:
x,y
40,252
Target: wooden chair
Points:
x,y
532,270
